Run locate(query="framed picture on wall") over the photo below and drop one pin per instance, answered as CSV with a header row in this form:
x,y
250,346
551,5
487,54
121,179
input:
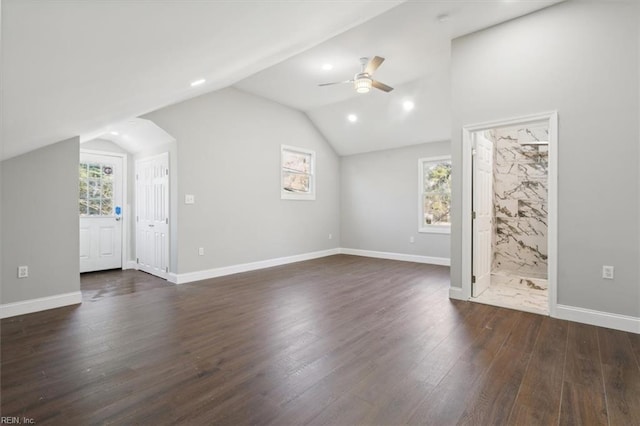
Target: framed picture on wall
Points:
x,y
297,173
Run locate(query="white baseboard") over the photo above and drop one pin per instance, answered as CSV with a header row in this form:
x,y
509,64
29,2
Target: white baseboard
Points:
x,y
130,264
398,256
245,267
599,318
456,293
40,304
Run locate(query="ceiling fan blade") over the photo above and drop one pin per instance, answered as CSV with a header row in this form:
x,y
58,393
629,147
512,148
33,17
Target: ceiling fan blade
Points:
x,y
381,86
335,82
373,64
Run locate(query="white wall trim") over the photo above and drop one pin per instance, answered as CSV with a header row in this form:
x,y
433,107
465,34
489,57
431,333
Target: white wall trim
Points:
x,y
456,293
598,318
130,264
245,267
398,256
40,304
252,266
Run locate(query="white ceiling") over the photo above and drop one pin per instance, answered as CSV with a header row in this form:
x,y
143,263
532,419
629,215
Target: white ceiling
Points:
x,y
415,39
72,67
81,67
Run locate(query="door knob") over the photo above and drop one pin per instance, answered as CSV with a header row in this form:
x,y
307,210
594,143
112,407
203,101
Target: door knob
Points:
x,y
118,219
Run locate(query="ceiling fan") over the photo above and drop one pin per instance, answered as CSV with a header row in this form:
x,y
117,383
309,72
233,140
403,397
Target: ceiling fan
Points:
x,y
363,81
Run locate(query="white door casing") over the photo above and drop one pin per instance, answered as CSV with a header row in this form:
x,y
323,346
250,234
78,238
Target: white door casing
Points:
x,y
152,215
100,209
482,213
551,118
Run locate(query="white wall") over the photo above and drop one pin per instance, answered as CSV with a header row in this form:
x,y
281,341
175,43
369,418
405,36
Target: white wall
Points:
x,y
379,207
581,59
40,227
228,145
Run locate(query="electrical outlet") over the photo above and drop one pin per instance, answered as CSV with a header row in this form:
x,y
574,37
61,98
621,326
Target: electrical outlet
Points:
x,y
412,239
189,199
607,272
201,251
23,271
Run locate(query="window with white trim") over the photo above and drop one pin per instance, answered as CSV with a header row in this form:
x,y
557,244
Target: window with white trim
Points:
x,y
434,204
297,174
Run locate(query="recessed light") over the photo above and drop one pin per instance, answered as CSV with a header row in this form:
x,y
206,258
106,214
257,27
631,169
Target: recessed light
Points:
x,y
443,17
197,82
115,133
327,67
408,105
352,118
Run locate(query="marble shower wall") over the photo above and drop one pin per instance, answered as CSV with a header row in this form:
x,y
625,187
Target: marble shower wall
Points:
x,y
520,200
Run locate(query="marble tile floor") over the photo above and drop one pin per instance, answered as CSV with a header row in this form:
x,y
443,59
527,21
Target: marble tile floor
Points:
x,y
514,292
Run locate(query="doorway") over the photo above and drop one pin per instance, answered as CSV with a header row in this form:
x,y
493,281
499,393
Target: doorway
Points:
x,y
509,234
101,195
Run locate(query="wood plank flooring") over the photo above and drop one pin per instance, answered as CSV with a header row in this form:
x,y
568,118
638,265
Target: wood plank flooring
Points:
x,y
340,340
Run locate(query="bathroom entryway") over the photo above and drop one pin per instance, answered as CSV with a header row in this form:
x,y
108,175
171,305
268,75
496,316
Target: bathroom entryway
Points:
x,y
510,246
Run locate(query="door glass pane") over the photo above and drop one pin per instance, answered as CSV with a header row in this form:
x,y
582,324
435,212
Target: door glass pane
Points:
x,y
94,188
95,170
107,206
95,196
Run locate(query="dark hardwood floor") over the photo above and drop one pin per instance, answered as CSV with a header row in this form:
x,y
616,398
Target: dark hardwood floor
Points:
x,y
340,340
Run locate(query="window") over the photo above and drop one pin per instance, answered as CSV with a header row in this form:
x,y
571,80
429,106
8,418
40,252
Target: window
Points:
x,y
96,189
297,174
435,194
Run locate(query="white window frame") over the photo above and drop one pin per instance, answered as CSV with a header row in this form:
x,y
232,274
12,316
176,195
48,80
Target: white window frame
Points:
x,y
288,195
422,228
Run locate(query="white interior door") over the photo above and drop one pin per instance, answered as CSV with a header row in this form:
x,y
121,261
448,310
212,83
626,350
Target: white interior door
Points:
x,y
483,213
100,208
152,215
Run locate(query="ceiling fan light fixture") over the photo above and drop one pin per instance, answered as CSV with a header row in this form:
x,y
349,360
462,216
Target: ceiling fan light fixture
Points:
x,y
362,84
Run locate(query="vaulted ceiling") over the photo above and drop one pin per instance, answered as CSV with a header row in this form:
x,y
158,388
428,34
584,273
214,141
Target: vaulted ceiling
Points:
x,y
80,67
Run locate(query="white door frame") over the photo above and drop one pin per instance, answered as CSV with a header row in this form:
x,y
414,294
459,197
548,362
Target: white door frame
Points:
x,y
467,193
125,207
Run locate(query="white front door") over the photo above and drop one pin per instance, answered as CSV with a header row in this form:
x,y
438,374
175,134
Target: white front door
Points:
x,y
100,208
152,215
483,213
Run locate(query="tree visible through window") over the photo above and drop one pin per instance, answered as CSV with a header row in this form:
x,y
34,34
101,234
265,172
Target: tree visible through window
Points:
x,y
435,194
96,189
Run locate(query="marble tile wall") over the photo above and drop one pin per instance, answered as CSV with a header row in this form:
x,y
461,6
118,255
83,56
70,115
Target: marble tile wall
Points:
x,y
520,200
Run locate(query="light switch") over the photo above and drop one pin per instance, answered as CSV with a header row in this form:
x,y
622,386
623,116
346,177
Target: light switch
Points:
x,y
189,199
